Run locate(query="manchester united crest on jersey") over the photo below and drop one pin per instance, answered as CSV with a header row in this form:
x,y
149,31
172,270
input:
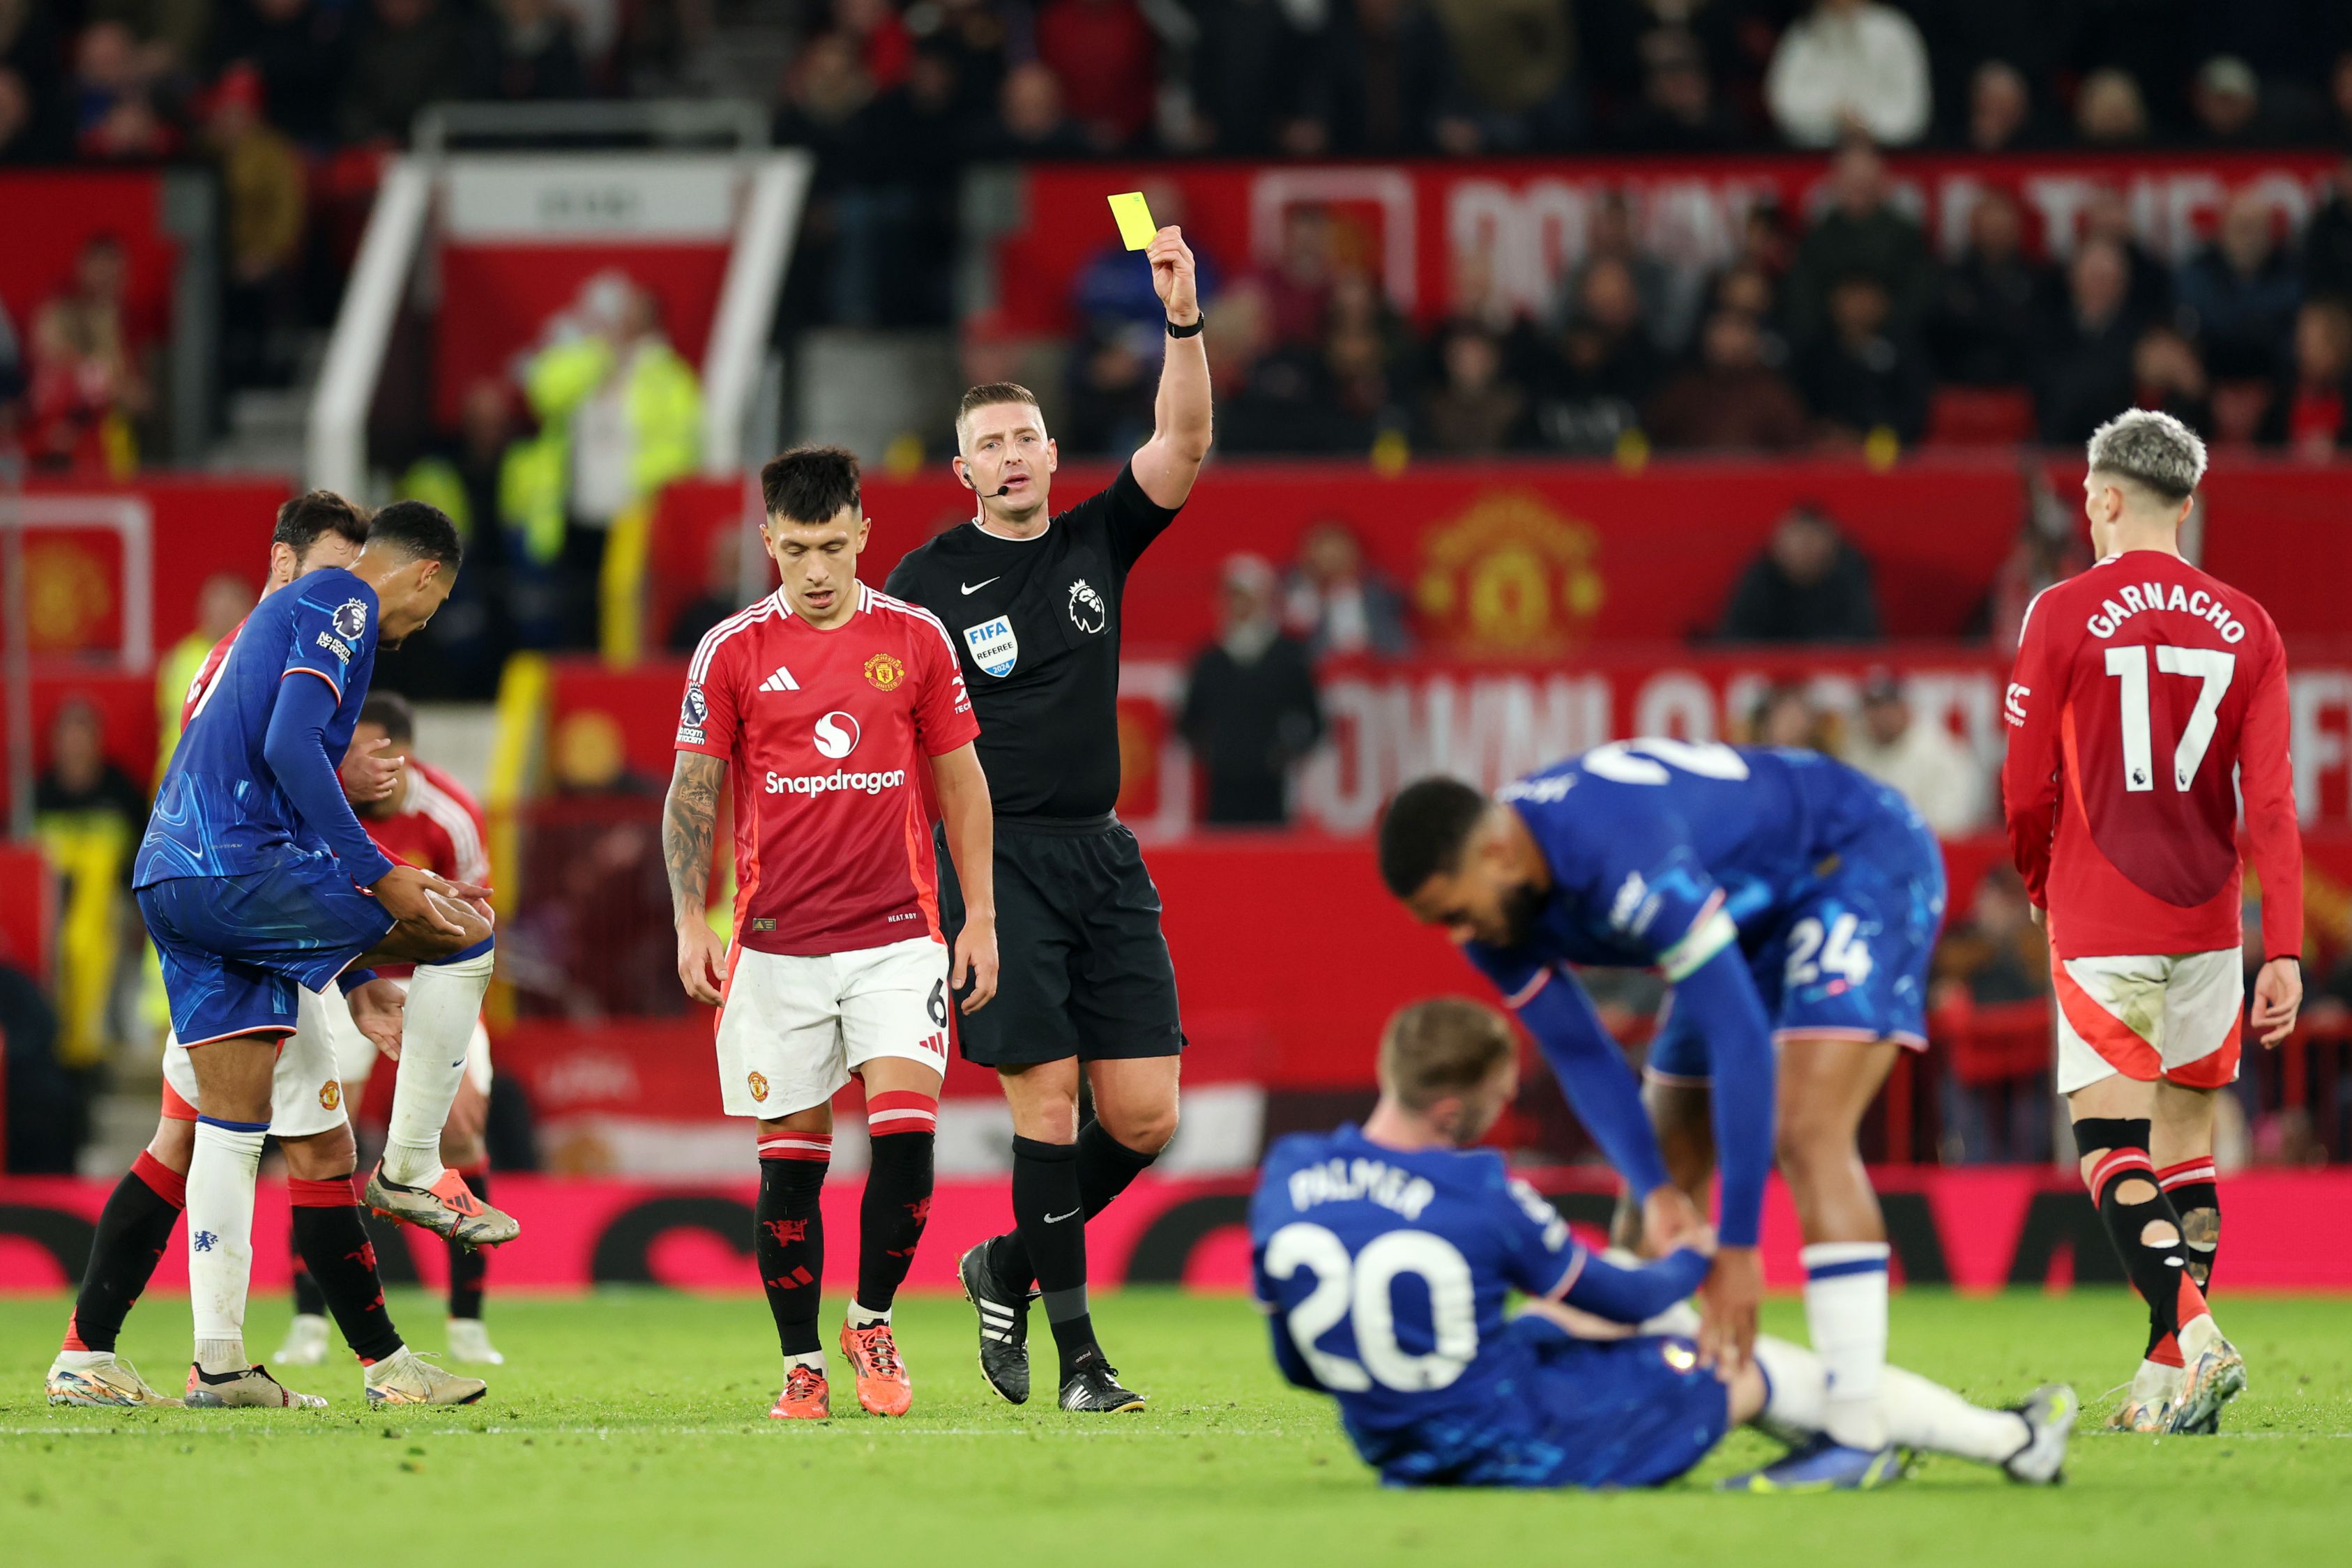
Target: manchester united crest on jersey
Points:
x,y
994,648
886,672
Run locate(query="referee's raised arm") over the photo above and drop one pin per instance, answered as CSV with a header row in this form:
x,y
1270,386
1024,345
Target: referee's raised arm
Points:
x,y
1032,600
1167,464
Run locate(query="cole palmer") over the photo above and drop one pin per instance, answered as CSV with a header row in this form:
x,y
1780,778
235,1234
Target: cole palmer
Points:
x,y
1597,1384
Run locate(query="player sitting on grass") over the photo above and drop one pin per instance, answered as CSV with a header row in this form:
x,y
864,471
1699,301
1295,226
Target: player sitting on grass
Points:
x,y
1792,904
313,531
1384,1255
256,883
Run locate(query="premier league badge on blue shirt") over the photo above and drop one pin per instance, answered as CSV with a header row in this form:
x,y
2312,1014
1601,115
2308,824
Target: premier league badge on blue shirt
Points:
x,y
350,620
994,648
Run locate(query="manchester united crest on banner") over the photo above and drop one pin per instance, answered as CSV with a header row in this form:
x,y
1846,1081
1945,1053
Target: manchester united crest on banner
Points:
x,y
1509,576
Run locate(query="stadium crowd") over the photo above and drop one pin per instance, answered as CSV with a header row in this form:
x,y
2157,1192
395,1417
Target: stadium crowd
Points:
x,y
1820,333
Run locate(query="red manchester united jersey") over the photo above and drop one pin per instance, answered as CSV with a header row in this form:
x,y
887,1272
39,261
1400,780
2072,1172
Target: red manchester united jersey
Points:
x,y
824,732
435,825
204,673
2147,698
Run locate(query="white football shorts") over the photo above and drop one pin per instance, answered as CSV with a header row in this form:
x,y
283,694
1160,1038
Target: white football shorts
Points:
x,y
305,1096
356,1055
793,1028
2179,1017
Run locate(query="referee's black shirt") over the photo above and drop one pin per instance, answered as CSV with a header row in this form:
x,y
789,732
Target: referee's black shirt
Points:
x,y
1035,622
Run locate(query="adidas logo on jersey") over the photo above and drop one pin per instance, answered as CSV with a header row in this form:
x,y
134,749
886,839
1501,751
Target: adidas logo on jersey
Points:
x,y
781,680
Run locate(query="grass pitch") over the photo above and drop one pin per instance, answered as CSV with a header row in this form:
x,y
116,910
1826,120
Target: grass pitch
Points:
x,y
628,1427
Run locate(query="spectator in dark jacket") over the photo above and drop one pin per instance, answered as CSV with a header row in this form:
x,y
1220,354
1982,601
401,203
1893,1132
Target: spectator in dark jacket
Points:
x,y
2240,293
1250,709
1808,586
1340,603
298,47
407,53
1386,84
2312,412
1989,308
2327,240
1607,366
530,52
2086,377
1474,410
1864,378
1863,231
1731,400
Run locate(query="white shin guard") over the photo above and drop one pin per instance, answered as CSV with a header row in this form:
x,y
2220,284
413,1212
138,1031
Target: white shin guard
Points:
x,y
443,1001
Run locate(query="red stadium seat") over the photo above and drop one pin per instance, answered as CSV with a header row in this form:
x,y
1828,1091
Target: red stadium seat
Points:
x,y
1994,1044
1979,416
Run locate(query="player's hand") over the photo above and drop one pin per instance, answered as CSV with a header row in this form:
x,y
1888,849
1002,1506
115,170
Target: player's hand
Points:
x,y
368,775
2278,997
975,957
701,961
1727,1303
1669,1219
1172,275
408,892
378,1009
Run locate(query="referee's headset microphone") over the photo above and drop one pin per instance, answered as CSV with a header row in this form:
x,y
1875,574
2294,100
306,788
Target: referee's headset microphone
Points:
x,y
992,495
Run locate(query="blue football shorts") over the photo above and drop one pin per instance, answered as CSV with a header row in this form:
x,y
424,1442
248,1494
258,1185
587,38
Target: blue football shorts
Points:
x,y
237,951
1608,1413
1846,957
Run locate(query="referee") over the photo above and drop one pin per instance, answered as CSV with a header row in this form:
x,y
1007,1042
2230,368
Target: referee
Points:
x,y
1032,603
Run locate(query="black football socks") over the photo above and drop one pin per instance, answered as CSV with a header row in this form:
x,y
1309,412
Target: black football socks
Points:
x,y
1049,1217
788,1235
1106,1167
133,1230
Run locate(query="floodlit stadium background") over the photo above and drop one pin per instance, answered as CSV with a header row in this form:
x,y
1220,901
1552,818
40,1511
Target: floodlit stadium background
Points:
x,y
1572,385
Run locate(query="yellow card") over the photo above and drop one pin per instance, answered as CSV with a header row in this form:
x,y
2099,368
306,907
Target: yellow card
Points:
x,y
1134,215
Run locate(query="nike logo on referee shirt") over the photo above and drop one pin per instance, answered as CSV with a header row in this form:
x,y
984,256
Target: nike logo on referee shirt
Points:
x,y
983,583
1057,1218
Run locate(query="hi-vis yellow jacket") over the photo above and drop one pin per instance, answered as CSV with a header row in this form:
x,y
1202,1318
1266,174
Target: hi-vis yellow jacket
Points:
x,y
664,406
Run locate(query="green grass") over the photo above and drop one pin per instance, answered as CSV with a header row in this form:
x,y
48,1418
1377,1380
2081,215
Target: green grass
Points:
x,y
628,1427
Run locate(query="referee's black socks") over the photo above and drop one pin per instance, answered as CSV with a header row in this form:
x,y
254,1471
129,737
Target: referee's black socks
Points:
x,y
1106,1167
1050,1220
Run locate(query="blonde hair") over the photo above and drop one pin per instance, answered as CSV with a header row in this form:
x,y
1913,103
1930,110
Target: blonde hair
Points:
x,y
2151,449
1444,1046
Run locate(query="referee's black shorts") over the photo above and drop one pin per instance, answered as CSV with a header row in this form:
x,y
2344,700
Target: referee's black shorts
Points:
x,y
1082,969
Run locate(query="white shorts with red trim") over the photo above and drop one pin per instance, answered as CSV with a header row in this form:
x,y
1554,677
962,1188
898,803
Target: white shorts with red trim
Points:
x,y
306,1094
2177,1017
793,1029
356,1055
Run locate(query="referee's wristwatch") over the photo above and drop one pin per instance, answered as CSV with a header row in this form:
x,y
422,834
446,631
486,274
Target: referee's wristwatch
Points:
x,y
1199,321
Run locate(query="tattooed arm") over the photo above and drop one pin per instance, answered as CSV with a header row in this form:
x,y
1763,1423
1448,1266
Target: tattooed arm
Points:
x,y
689,821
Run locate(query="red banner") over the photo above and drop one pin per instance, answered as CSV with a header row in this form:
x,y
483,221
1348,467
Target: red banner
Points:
x,y
1527,221
1974,1229
1531,559
1492,722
